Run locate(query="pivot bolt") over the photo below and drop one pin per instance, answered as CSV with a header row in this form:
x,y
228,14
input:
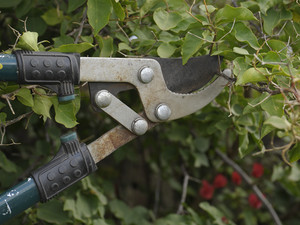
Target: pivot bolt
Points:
x,y
146,75
163,112
139,126
103,98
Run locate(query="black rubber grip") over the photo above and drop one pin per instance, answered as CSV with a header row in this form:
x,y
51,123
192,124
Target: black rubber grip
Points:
x,y
55,70
72,163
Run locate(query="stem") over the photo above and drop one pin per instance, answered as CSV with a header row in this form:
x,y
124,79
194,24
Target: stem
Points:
x,y
249,181
184,192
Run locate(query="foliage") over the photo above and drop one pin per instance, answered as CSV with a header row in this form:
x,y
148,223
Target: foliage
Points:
x,y
255,119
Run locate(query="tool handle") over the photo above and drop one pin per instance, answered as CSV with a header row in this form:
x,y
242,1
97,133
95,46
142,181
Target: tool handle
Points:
x,y
54,70
18,199
8,67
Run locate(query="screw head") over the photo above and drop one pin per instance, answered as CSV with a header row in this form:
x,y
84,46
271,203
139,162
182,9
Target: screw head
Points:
x,y
139,126
146,75
163,112
103,98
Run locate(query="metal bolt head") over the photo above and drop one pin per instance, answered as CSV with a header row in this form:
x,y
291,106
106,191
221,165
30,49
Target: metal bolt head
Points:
x,y
227,72
146,75
163,112
139,126
103,98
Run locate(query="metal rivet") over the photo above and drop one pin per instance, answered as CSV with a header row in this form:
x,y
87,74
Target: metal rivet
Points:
x,y
146,75
103,98
36,74
163,112
62,74
139,126
33,63
47,63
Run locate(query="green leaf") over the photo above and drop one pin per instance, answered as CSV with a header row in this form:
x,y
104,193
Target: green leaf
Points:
x,y
274,105
229,14
240,51
52,212
65,113
249,217
244,144
6,164
294,153
86,205
210,8
123,46
214,213
74,4
166,20
252,75
278,122
98,13
266,129
106,46
3,117
274,17
118,9
165,50
240,66
8,4
28,41
42,104
53,17
79,48
147,6
191,45
244,34
24,8
24,96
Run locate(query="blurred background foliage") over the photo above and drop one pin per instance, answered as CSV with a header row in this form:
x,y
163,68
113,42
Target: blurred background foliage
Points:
x,y
207,168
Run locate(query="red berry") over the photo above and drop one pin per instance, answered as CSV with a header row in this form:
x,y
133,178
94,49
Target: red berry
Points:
x,y
207,190
225,220
257,170
220,181
254,201
236,178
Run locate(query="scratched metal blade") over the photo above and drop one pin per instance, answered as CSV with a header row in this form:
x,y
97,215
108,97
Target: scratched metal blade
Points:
x,y
196,73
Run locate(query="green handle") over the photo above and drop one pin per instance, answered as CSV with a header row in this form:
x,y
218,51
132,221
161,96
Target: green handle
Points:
x,y
8,68
18,199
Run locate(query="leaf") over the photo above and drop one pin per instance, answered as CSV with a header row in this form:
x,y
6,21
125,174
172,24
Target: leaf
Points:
x,y
266,129
278,122
229,13
3,117
191,45
74,4
24,96
294,153
28,41
244,34
65,113
42,104
244,144
165,50
53,17
78,48
166,20
240,66
8,4
252,75
274,17
123,46
210,8
106,46
86,206
240,51
6,164
52,212
147,6
118,9
98,13
214,213
274,105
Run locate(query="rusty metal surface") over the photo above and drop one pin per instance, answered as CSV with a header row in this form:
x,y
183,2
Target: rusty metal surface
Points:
x,y
111,141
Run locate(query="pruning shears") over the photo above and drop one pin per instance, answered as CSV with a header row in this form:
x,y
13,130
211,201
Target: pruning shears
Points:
x,y
167,89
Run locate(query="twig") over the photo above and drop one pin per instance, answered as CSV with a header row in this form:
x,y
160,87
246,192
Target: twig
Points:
x,y
249,181
81,26
10,122
184,191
